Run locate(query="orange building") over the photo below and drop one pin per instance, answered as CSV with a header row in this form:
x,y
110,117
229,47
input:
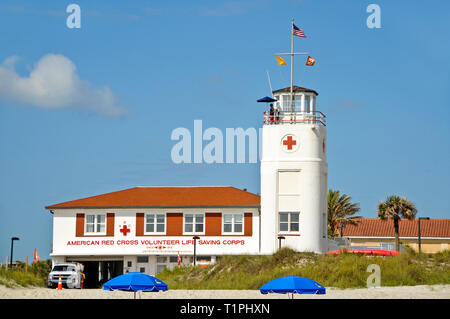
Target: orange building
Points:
x,y
373,232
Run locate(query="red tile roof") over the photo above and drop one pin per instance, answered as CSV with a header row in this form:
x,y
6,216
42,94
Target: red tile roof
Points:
x,y
214,196
374,227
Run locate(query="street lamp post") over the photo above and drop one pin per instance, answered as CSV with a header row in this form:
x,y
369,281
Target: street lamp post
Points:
x,y
279,241
418,230
342,229
195,247
12,248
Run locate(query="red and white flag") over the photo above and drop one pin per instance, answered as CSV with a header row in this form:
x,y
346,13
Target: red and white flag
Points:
x,y
297,31
310,61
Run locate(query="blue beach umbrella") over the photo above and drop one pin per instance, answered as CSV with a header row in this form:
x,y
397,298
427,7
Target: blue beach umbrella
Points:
x,y
135,281
293,284
266,99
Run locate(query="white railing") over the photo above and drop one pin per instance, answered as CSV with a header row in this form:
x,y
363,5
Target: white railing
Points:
x,y
293,117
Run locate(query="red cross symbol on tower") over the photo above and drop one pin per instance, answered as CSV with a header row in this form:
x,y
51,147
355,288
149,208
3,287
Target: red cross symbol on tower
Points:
x,y
289,142
124,230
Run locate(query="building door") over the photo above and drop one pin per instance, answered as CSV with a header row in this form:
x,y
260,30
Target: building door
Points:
x,y
98,272
91,272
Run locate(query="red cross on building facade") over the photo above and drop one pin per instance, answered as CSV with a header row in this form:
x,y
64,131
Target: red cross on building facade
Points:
x,y
124,230
289,142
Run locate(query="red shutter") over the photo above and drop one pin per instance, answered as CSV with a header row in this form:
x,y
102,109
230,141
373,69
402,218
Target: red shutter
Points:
x,y
139,224
79,228
248,224
174,224
213,224
110,224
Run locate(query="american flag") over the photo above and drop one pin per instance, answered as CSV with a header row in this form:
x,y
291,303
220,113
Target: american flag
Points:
x,y
298,32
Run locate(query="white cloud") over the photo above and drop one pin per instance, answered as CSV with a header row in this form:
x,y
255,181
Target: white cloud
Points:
x,y
54,84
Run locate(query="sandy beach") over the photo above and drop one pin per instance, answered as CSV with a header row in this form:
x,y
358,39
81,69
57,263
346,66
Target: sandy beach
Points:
x,y
402,292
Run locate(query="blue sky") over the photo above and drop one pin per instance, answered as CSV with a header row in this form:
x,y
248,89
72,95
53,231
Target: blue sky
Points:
x,y
145,68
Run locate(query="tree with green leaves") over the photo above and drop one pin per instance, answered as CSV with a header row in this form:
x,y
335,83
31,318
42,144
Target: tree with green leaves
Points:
x,y
396,207
341,211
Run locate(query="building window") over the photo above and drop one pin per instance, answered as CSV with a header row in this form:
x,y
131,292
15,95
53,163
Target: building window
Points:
x,y
161,260
194,223
233,223
289,222
96,224
155,223
142,269
387,246
204,258
173,259
142,259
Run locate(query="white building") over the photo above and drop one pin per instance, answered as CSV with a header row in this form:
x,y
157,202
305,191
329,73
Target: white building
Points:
x,y
148,229
294,174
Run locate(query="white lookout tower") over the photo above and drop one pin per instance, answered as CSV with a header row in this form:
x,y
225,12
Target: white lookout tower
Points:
x,y
294,170
294,173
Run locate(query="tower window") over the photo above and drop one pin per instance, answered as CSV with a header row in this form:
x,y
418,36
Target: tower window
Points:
x,y
289,222
297,102
307,97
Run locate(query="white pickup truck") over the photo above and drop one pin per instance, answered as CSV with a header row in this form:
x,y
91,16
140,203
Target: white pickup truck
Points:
x,y
71,275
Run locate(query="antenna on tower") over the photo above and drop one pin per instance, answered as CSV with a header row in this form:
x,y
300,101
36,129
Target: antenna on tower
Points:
x,y
270,84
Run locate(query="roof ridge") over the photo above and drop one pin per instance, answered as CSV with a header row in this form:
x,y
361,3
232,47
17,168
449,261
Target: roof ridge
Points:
x,y
167,196
192,186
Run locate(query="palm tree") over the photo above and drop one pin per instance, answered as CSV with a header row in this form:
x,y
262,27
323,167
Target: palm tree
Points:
x,y
341,211
394,208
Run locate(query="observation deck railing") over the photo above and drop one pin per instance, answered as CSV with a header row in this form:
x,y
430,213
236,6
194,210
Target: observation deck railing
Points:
x,y
294,117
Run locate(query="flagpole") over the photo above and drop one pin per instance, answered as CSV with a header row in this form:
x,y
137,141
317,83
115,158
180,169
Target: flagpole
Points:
x,y
292,66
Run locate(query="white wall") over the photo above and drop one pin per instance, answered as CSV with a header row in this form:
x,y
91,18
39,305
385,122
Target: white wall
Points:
x,y
64,226
309,160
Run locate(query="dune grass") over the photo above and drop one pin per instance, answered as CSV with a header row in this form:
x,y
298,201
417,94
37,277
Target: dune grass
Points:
x,y
340,271
18,276
251,272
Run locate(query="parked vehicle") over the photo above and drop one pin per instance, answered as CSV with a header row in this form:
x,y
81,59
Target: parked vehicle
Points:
x,y
71,275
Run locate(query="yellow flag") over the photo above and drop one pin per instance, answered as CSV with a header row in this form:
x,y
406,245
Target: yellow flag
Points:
x,y
280,60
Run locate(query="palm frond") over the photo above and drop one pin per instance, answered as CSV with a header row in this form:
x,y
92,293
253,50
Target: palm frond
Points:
x,y
341,210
